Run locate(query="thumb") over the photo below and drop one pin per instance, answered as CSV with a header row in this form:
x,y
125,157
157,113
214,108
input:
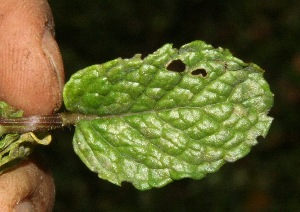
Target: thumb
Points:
x,y
31,67
29,187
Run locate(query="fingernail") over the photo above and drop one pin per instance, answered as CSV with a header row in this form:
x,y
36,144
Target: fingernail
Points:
x,y
51,50
24,206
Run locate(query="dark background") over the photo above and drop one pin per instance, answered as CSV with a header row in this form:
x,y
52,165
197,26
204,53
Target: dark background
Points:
x,y
266,32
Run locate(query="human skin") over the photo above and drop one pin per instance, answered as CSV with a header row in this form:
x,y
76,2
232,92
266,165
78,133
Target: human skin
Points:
x,y
31,79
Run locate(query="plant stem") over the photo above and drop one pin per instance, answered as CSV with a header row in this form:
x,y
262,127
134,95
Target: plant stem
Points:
x,y
40,122
31,123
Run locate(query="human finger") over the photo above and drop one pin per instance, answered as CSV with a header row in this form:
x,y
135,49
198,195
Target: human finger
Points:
x,y
27,188
31,67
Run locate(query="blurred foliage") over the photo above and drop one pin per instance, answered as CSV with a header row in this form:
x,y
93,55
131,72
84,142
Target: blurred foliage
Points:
x,y
265,32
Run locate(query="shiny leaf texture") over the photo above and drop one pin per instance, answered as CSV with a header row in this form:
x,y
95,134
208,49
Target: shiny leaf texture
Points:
x,y
172,115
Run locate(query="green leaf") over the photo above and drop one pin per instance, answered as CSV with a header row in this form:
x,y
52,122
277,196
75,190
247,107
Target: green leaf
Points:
x,y
7,111
154,125
15,147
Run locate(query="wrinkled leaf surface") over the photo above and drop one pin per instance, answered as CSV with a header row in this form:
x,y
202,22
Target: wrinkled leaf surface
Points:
x,y
174,114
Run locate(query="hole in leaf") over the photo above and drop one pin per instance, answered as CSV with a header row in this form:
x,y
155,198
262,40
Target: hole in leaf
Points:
x,y
176,66
199,72
5,154
226,66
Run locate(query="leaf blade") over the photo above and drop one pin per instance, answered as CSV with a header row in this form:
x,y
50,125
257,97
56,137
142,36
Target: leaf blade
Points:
x,y
157,125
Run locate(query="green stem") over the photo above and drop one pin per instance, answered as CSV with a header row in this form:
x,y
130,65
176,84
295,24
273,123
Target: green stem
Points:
x,y
40,122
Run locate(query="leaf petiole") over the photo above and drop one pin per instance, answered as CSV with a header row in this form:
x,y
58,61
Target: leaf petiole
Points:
x,y
40,122
30,124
